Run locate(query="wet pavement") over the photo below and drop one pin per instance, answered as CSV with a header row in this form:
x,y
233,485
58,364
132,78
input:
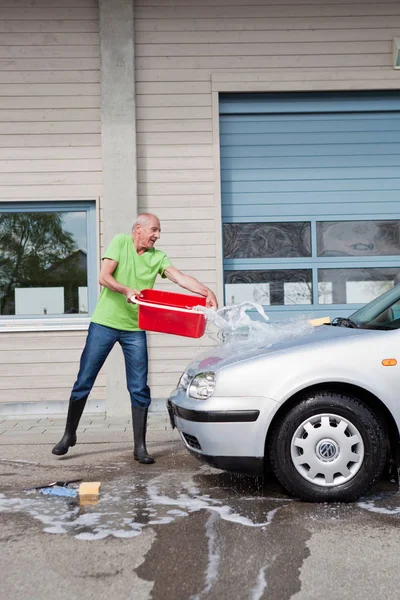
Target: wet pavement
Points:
x,y
180,530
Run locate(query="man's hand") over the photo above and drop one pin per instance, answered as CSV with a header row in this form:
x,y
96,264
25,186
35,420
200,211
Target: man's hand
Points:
x,y
211,300
129,292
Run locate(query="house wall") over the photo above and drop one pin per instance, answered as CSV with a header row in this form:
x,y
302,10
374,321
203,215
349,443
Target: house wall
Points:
x,y
49,100
50,149
187,51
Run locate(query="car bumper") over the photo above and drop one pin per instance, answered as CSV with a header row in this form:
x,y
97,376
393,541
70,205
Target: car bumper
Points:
x,y
227,433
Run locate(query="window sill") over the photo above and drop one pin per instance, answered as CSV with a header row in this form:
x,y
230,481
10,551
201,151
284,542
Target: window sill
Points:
x,y
48,324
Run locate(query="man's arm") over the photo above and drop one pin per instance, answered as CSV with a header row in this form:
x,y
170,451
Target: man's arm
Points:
x,y
193,285
107,280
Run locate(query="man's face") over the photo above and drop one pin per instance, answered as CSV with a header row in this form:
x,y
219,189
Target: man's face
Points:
x,y
147,235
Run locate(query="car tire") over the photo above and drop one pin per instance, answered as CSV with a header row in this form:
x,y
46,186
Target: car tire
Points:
x,y
328,448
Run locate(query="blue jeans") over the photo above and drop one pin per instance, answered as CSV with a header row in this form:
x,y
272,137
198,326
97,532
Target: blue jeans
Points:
x,y
99,343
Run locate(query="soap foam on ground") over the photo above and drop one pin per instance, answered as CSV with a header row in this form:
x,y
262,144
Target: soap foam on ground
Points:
x,y
125,508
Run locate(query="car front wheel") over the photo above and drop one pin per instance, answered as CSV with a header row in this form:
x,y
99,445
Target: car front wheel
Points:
x,y
329,447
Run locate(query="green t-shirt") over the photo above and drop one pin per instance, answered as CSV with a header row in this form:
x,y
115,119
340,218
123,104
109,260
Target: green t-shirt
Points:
x,y
133,270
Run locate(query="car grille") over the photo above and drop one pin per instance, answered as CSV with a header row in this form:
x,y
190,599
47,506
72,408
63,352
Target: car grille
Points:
x,y
192,441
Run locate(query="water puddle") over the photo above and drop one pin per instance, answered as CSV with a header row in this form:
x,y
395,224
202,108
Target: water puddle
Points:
x,y
261,585
126,507
214,558
387,503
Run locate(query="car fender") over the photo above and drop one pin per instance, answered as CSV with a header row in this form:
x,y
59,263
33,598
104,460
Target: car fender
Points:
x,y
311,379
384,391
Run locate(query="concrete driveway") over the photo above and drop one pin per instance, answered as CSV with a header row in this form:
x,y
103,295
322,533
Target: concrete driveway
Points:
x,y
178,530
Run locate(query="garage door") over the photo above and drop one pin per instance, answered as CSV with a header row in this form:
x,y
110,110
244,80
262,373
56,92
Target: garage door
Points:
x,y
310,200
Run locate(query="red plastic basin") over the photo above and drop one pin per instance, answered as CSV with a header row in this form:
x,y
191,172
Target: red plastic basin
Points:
x,y
171,313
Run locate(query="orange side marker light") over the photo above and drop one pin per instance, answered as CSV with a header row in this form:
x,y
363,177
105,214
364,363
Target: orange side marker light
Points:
x,y
389,362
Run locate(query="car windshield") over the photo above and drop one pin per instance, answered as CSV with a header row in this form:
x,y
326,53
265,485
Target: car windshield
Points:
x,y
381,313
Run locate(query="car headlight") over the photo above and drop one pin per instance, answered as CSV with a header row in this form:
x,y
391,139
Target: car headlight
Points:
x,y
184,380
202,385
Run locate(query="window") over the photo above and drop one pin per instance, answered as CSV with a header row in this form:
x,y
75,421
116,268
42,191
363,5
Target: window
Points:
x,y
310,262
358,238
47,259
374,241
269,287
254,253
354,286
267,240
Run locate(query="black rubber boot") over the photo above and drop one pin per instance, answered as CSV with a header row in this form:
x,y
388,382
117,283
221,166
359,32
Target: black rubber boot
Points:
x,y
75,410
139,424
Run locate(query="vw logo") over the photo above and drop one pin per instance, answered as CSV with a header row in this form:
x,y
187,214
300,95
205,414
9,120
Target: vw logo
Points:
x,y
327,450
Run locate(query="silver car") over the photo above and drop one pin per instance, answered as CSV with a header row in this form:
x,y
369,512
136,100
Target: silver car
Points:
x,y
322,408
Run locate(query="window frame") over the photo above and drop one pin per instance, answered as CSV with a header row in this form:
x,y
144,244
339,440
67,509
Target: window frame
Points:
x,y
64,321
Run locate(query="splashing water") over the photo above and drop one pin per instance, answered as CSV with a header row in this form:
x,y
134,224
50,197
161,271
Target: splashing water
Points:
x,y
231,325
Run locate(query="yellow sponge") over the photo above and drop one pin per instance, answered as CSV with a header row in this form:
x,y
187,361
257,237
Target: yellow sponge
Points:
x,y
88,500
320,321
89,488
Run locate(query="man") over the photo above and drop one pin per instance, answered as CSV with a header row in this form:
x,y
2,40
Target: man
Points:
x,y
130,264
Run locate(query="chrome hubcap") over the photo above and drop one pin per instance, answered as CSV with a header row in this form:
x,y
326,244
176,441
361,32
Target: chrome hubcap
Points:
x,y
327,450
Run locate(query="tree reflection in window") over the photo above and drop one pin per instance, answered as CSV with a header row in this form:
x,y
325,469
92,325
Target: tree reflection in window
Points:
x,y
38,251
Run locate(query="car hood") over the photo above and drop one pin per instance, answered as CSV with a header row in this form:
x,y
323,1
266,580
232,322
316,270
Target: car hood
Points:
x,y
224,355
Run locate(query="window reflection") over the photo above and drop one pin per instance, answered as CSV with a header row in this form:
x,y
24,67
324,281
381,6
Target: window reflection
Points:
x,y
358,238
271,287
43,263
355,286
267,240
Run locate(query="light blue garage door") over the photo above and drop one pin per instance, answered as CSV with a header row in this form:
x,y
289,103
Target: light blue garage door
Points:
x,y
310,200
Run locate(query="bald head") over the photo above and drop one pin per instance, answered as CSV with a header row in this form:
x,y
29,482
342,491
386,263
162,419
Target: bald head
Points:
x,y
144,220
146,231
